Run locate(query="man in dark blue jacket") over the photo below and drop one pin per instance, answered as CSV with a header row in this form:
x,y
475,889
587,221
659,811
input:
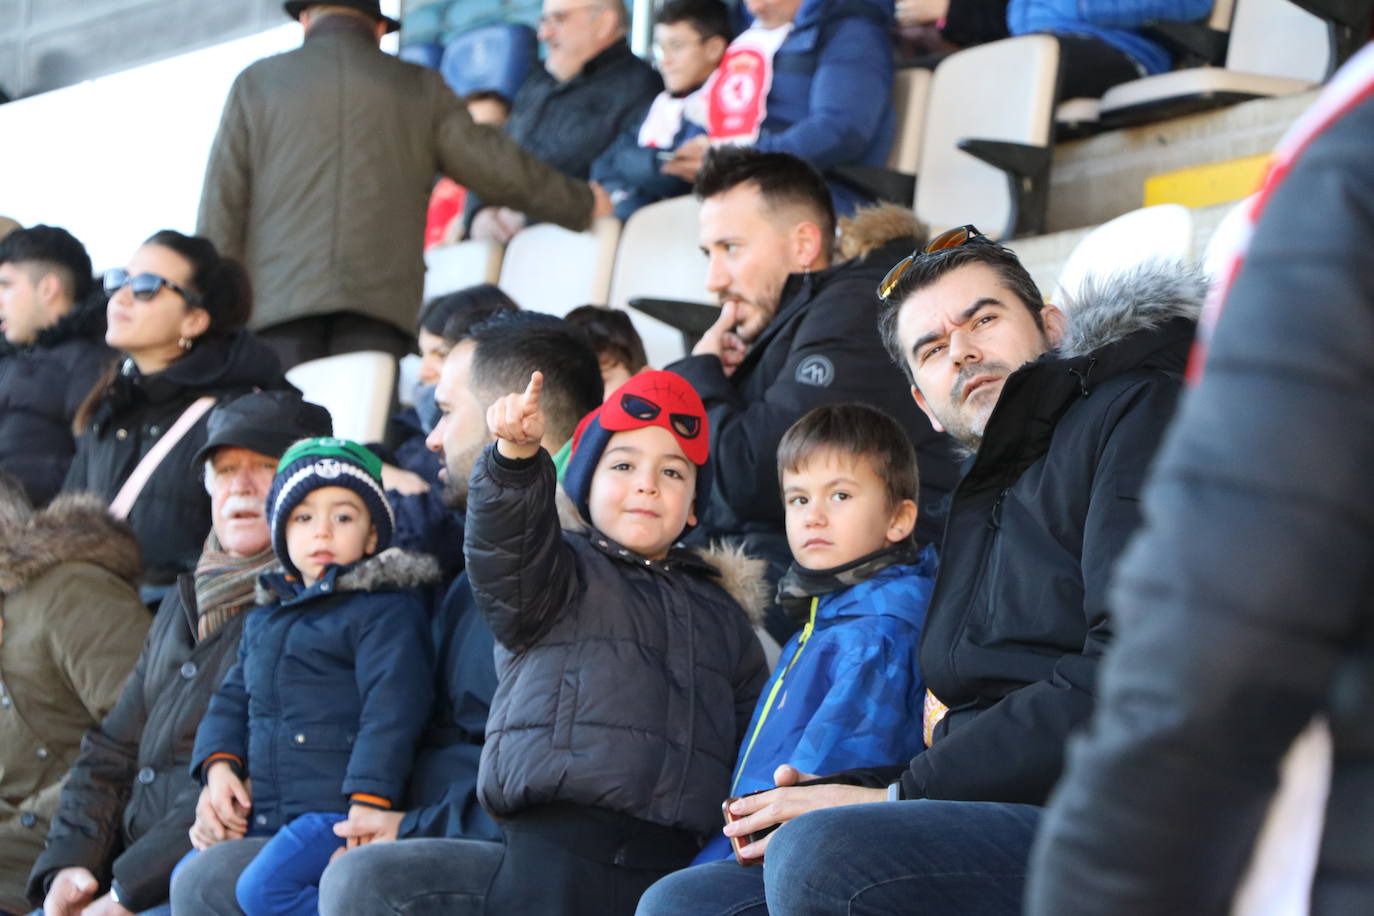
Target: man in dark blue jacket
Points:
x,y
689,40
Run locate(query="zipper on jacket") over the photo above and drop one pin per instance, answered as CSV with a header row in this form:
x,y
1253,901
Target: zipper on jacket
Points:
x,y
773,694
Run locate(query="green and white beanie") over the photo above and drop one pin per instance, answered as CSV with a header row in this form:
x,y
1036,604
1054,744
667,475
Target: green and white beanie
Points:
x,y
327,462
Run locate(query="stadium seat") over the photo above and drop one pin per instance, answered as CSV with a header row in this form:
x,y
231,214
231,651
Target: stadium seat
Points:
x,y
910,92
425,53
1162,232
354,387
1275,48
985,156
425,23
454,267
551,269
489,57
659,258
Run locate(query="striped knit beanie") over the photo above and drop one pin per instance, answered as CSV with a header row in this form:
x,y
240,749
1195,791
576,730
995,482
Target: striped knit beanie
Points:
x,y
326,462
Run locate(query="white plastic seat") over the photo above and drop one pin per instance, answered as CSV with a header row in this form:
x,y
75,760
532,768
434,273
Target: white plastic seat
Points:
x,y
454,267
1017,107
1275,48
910,95
551,269
660,258
1163,232
354,387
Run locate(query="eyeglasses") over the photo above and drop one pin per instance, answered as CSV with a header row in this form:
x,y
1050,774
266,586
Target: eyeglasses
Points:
x,y
558,17
144,287
677,46
686,424
950,238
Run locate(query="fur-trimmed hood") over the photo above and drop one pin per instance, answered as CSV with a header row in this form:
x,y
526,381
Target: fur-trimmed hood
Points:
x,y
870,228
391,569
76,527
1111,307
743,577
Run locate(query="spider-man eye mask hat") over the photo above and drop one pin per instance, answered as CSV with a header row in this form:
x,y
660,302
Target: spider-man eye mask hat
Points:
x,y
651,398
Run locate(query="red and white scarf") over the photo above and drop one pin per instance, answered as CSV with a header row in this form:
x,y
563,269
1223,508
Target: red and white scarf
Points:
x,y
737,93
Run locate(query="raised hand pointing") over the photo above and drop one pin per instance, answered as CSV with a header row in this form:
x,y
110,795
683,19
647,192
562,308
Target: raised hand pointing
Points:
x,y
517,420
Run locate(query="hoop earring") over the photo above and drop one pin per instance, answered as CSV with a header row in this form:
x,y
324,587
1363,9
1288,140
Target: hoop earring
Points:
x,y
185,343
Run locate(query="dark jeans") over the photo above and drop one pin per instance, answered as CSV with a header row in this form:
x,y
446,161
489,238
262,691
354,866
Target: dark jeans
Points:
x,y
422,877
1089,67
303,339
203,885
910,858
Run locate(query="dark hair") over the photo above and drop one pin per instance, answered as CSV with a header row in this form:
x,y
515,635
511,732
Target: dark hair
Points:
x,y
862,431
928,268
512,345
487,95
783,180
449,316
51,249
708,18
610,333
225,291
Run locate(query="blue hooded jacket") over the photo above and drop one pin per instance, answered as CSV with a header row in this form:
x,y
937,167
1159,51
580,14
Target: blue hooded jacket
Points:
x,y
831,101
1110,21
332,688
846,694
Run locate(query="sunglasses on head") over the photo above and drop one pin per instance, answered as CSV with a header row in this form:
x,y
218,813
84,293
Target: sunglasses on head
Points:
x,y
686,424
950,238
144,287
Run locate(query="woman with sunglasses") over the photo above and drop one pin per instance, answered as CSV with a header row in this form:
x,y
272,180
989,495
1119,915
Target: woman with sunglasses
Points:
x,y
177,314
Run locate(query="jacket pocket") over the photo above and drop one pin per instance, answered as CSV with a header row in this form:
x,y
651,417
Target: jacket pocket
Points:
x,y
320,738
565,712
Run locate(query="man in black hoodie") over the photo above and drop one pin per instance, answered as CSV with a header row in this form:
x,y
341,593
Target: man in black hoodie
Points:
x,y
1062,411
55,329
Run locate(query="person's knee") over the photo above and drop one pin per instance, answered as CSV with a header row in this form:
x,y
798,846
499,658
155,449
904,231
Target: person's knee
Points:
x,y
253,893
346,880
199,885
667,895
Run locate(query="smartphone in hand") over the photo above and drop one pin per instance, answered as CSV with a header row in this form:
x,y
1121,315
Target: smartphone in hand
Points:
x,y
738,842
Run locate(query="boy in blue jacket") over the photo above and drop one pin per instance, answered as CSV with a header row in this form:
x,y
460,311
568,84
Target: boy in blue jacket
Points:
x,y
333,681
847,689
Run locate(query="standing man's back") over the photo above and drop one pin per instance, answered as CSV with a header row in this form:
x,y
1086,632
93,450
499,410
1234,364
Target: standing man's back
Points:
x,y
320,176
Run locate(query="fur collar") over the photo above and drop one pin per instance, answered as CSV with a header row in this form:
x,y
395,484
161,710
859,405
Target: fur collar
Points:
x,y
1111,307
870,228
76,527
742,576
391,569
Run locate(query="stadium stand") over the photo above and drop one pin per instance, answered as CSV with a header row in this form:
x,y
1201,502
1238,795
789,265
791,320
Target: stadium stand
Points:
x,y
451,267
354,387
489,57
549,269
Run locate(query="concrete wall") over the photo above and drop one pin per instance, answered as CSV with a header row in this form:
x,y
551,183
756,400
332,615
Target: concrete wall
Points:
x,y
47,44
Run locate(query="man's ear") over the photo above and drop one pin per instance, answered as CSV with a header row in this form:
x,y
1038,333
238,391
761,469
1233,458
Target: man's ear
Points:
x,y
1056,323
806,244
715,48
49,288
920,400
903,521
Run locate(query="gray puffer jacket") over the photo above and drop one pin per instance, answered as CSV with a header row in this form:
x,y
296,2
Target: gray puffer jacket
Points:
x,y
625,683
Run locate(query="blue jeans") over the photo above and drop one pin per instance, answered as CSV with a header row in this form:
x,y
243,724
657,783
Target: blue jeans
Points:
x,y
914,857
284,878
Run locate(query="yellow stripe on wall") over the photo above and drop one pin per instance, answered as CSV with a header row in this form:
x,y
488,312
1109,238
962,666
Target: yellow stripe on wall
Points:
x,y
1204,185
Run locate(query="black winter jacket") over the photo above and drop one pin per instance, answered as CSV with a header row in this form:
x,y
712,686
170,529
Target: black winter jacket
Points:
x,y
172,515
129,801
1245,605
1018,620
330,691
41,386
567,125
625,684
822,347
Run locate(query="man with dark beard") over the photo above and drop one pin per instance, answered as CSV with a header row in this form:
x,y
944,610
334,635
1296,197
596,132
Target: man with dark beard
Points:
x,y
442,803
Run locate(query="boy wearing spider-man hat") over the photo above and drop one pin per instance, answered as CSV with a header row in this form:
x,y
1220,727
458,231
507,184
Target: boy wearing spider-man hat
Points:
x,y
628,666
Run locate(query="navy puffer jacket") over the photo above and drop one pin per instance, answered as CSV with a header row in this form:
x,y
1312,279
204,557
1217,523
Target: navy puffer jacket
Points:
x,y
332,688
625,683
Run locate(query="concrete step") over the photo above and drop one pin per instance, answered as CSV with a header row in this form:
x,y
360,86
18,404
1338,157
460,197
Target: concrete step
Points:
x,y
1099,178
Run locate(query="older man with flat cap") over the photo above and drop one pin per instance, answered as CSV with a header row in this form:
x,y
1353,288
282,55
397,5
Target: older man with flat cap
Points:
x,y
129,801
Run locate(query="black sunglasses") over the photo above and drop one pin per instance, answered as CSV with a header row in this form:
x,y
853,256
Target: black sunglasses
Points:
x,y
686,424
950,238
145,286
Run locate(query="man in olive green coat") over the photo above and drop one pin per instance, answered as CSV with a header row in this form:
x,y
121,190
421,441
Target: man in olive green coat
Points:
x,y
320,175
71,627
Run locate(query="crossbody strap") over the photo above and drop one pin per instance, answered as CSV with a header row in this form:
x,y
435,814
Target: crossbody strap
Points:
x,y
124,499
